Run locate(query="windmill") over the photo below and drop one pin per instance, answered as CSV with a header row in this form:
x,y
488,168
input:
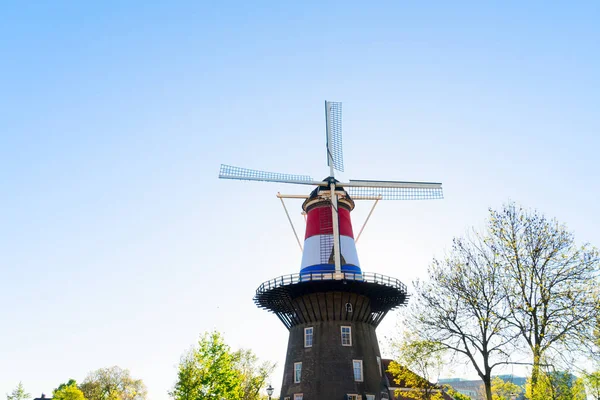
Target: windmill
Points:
x,y
332,308
356,189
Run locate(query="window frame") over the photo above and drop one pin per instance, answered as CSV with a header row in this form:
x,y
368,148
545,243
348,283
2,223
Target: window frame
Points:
x,y
298,396
312,336
348,308
370,396
297,379
362,374
349,335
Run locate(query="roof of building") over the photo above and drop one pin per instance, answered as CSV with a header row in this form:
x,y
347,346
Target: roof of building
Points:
x,y
396,388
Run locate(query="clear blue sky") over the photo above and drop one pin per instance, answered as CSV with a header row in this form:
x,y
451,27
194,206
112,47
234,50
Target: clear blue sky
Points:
x,y
119,245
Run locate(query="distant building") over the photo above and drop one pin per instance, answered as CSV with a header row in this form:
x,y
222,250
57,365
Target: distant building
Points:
x,y
471,388
43,397
474,388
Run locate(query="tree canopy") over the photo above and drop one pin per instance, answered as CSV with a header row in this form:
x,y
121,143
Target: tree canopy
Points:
x,y
522,285
592,383
68,391
254,373
463,306
418,365
454,393
211,370
504,390
113,383
550,283
18,393
556,385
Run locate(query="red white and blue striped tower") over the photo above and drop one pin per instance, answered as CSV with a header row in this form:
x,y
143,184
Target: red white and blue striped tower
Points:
x,y
331,307
318,252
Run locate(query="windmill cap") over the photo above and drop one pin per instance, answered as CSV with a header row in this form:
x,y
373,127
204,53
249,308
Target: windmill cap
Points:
x,y
316,199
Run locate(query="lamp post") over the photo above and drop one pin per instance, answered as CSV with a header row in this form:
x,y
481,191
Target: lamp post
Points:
x,y
270,391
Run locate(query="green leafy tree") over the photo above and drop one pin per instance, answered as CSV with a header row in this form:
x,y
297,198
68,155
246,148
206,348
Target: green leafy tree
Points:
x,y
113,383
209,371
70,382
550,285
419,363
578,390
463,306
18,393
68,391
504,390
556,385
592,383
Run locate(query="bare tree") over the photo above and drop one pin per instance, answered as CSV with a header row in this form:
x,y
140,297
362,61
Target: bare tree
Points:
x,y
463,306
550,284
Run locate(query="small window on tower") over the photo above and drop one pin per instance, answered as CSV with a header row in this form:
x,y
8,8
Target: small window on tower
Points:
x,y
308,337
348,307
370,397
346,336
298,396
358,370
297,372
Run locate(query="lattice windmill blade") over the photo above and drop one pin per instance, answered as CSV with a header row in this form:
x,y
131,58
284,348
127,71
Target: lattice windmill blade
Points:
x,y
333,123
245,174
394,190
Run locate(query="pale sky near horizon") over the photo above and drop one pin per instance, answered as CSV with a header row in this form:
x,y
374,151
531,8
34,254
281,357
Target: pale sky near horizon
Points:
x,y
119,245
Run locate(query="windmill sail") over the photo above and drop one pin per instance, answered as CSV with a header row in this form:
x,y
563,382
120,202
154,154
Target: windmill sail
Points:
x,y
333,123
231,172
393,190
329,243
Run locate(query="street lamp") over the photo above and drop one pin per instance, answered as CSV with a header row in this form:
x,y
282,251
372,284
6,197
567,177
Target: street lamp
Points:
x,y
270,391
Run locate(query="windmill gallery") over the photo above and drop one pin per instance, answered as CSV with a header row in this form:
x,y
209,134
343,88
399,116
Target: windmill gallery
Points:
x,y
332,307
